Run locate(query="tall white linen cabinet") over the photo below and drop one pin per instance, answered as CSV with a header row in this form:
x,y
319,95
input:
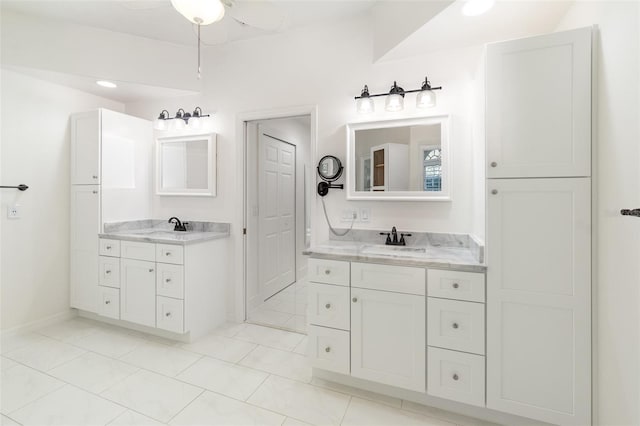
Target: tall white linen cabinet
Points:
x,y
538,135
110,182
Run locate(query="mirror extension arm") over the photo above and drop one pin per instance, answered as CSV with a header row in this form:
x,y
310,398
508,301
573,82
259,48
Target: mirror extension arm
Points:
x,y
323,188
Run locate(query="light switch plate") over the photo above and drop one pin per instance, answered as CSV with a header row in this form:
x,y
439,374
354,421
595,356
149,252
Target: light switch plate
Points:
x,y
365,215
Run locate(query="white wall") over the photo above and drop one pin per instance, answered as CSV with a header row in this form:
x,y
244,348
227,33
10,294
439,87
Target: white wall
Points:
x,y
617,186
35,151
326,66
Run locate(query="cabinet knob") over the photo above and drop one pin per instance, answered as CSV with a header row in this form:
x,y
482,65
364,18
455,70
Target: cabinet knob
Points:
x,y
168,314
107,271
455,325
494,191
494,164
107,302
108,247
455,377
327,271
168,280
355,299
328,306
456,285
94,192
151,270
95,176
167,253
327,349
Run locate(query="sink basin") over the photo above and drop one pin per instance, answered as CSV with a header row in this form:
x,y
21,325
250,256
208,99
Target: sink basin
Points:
x,y
394,250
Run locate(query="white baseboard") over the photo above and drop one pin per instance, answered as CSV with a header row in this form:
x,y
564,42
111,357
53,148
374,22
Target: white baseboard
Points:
x,y
34,325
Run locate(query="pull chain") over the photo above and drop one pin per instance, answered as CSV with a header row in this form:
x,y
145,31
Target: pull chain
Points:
x,y
199,52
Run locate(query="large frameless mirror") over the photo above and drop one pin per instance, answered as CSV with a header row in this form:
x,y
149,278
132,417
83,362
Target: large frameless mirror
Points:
x,y
186,165
406,159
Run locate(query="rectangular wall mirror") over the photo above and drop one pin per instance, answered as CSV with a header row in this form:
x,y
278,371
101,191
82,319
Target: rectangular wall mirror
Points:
x,y
186,165
405,159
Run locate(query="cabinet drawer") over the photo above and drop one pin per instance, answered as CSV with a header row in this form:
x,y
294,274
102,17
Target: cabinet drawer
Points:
x,y
455,285
399,279
329,305
329,271
109,247
138,251
170,281
452,324
328,349
170,314
109,271
456,375
168,253
109,303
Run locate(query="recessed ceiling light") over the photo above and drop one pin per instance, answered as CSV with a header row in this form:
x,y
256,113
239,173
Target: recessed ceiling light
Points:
x,y
477,7
105,83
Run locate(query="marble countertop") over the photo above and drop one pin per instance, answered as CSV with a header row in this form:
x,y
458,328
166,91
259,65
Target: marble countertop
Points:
x,y
156,231
456,258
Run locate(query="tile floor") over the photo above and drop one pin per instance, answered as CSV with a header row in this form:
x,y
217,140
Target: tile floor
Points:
x,y
287,309
82,372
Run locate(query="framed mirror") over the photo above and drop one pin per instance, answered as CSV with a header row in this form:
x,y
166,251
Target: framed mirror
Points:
x,y
186,165
405,159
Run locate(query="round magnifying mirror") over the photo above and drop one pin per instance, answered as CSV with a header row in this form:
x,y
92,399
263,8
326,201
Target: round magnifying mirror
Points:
x,y
329,168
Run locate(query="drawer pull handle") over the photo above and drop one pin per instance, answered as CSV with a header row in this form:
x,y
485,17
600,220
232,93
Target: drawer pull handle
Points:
x,y
107,271
95,177
108,247
168,253
94,192
494,191
456,285
455,377
455,325
328,306
327,271
151,270
168,314
168,280
494,164
327,349
107,302
355,300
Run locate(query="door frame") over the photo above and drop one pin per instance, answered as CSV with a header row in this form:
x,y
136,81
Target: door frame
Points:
x,y
240,285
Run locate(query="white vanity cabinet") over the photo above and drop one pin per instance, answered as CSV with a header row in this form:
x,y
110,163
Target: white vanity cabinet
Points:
x,y
169,287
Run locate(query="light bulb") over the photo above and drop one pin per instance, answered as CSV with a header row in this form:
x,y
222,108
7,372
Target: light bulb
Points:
x,y
426,99
160,124
179,124
394,103
365,105
201,12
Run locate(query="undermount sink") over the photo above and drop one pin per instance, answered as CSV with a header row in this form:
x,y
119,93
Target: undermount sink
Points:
x,y
394,250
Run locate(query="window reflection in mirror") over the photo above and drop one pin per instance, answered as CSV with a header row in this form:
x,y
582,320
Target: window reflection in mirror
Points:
x,y
399,159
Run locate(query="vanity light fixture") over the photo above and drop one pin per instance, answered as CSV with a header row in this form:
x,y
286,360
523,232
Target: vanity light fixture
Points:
x,y
395,98
182,119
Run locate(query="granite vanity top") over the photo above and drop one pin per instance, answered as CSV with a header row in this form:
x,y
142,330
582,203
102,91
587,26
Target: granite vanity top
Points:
x,y
160,231
443,251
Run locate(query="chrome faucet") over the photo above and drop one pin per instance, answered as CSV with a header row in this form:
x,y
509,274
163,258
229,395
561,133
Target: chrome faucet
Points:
x,y
394,241
179,225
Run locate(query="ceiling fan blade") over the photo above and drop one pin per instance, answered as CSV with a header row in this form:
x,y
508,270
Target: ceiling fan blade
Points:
x,y
262,14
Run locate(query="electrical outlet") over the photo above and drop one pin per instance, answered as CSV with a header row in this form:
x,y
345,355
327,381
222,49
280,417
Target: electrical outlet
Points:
x,y
365,215
349,215
13,212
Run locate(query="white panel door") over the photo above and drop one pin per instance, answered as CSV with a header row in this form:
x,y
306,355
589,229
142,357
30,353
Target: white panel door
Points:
x,y
538,106
85,226
388,338
539,299
138,291
85,148
277,236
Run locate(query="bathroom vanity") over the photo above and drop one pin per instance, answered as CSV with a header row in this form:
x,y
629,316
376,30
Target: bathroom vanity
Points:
x,y
411,318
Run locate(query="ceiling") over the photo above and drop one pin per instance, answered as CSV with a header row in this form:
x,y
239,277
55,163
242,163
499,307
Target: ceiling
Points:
x,y
157,19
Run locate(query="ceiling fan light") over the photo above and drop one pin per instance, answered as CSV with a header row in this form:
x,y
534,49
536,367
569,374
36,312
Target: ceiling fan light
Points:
x,y
477,7
201,12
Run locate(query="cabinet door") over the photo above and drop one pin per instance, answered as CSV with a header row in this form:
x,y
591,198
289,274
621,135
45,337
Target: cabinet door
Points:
x,y
538,106
539,299
388,338
85,148
138,291
84,226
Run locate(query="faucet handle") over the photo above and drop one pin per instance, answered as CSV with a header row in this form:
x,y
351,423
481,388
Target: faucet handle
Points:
x,y
388,241
402,241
